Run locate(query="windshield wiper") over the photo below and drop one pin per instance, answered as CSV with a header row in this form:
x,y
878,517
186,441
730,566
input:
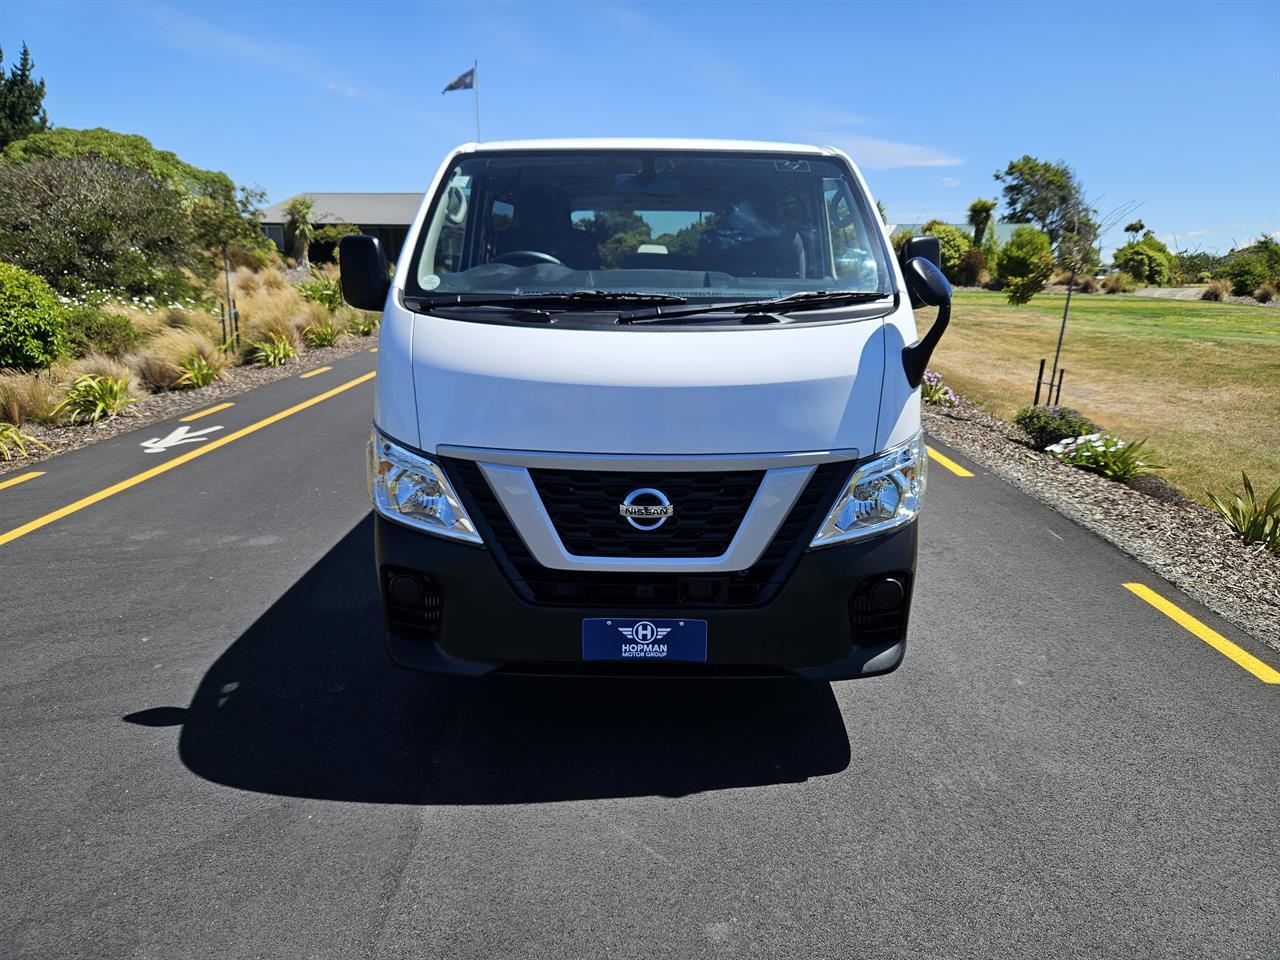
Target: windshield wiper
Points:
x,y
570,299
807,300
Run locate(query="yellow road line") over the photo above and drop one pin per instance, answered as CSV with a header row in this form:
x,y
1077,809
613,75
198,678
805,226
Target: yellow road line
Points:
x,y
21,478
312,373
1214,639
950,464
205,412
373,349
177,461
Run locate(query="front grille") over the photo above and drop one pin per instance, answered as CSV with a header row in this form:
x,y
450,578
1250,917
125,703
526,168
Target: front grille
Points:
x,y
540,584
709,507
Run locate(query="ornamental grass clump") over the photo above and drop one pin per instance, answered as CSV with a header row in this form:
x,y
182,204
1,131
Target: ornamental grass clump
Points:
x,y
26,396
322,289
1250,519
13,441
324,333
935,393
274,351
1104,455
92,398
169,358
200,370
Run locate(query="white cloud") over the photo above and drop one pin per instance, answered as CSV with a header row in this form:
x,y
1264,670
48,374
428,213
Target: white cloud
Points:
x,y
873,153
950,182
1196,233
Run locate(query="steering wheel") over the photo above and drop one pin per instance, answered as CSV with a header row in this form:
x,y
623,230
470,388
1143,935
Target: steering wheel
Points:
x,y
527,258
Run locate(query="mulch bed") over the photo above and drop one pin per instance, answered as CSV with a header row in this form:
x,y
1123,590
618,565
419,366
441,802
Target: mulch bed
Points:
x,y
162,406
1184,542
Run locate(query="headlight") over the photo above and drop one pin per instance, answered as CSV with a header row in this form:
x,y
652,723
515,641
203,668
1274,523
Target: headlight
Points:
x,y
410,489
882,494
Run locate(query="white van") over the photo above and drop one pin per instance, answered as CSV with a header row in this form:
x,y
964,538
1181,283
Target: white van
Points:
x,y
647,407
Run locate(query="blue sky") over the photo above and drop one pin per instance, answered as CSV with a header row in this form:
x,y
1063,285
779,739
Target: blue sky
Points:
x,y
1173,106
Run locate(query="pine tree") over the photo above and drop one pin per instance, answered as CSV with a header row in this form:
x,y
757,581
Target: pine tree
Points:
x,y
21,100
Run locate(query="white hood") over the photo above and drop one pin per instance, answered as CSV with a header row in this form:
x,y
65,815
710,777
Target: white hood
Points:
x,y
771,389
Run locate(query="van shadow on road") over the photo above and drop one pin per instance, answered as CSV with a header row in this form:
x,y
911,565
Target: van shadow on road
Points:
x,y
305,703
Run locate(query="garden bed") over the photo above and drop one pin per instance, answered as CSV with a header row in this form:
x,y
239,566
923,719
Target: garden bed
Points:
x,y
162,406
1182,541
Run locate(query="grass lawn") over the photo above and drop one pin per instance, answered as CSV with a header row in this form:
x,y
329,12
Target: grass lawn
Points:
x,y
1200,379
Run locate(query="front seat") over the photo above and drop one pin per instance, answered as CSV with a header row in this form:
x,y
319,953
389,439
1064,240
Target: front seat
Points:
x,y
541,223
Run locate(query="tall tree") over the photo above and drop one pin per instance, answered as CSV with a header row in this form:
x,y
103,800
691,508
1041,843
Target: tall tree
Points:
x,y
22,110
979,217
299,228
1046,194
1134,228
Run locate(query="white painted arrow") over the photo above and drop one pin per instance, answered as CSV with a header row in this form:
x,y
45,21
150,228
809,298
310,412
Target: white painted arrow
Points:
x,y
181,435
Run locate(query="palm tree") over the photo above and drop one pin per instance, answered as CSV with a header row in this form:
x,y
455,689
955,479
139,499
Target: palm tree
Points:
x,y
299,229
979,216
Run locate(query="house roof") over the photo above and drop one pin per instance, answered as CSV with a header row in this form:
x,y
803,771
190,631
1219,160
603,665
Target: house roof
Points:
x,y
361,209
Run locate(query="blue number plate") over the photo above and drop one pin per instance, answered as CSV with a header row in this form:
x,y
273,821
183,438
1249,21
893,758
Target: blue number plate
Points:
x,y
619,639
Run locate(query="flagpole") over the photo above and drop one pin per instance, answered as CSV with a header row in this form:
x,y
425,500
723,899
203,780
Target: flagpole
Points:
x,y
475,87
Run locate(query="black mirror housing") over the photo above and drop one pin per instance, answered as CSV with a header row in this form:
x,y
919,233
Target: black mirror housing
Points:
x,y
927,248
365,276
930,248
927,285
926,282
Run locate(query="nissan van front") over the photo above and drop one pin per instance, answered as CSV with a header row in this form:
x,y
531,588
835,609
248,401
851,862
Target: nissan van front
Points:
x,y
647,407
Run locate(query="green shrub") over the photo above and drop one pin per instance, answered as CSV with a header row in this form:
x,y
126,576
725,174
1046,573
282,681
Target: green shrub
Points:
x,y
1217,290
955,244
86,225
90,399
1147,260
200,369
322,290
1252,521
90,330
1104,455
209,201
13,442
900,236
1119,283
274,351
33,324
1048,425
1247,273
972,264
1025,264
323,334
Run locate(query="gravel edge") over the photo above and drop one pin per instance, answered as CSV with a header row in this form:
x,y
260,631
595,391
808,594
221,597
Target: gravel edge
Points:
x,y
1182,541
161,406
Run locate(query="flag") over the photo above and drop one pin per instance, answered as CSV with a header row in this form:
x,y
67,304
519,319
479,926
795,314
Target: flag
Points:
x,y
465,82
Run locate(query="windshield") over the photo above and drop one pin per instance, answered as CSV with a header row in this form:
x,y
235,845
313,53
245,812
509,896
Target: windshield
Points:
x,y
696,225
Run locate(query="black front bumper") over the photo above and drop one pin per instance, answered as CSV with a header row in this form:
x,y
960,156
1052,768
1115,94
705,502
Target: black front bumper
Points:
x,y
821,623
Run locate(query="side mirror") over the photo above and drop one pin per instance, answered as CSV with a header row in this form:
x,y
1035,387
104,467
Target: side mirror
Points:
x,y
365,279
927,248
927,285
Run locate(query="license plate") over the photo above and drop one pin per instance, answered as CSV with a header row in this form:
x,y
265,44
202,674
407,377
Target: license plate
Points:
x,y
621,639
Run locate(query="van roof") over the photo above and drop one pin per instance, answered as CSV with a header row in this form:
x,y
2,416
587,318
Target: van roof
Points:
x,y
648,143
